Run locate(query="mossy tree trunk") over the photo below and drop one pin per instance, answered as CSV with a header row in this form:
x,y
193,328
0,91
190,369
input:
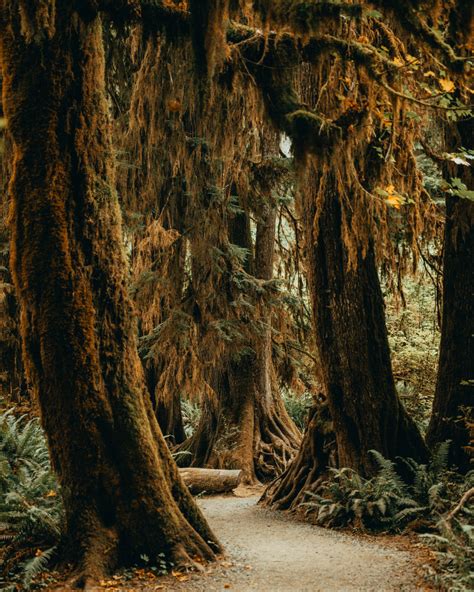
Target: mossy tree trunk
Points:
x,y
363,409
121,489
248,427
452,417
12,377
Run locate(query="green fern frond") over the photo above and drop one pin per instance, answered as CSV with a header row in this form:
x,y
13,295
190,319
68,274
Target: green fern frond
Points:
x,y
440,459
35,566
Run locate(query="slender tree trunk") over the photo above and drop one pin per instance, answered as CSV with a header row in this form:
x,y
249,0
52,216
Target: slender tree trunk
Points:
x,y
253,431
277,438
352,341
122,492
453,417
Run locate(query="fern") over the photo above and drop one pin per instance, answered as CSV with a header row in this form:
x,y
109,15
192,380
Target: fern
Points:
x,y
31,513
440,459
387,502
33,567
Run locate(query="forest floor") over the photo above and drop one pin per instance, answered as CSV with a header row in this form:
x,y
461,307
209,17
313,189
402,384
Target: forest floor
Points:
x,y
269,551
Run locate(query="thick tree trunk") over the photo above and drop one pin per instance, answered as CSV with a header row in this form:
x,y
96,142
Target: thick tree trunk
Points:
x,y
454,396
352,341
12,376
122,492
248,427
453,416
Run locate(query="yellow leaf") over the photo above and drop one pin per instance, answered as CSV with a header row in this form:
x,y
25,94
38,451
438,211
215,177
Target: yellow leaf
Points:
x,y
398,62
446,84
395,201
429,73
51,493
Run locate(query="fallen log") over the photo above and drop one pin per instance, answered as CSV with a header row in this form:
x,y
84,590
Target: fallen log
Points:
x,y
210,480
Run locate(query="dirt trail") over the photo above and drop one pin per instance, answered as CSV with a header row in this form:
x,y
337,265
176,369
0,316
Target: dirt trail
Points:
x,y
269,552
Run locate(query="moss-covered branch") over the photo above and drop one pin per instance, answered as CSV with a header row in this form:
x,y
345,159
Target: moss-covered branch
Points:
x,y
410,18
299,16
303,17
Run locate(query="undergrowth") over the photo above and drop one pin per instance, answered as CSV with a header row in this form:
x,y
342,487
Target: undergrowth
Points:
x,y
31,509
414,343
31,512
191,413
407,496
298,406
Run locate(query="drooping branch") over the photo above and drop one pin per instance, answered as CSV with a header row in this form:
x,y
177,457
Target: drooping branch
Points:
x,y
300,17
410,19
303,17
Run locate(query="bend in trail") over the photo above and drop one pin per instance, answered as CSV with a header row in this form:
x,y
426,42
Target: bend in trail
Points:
x,y
267,551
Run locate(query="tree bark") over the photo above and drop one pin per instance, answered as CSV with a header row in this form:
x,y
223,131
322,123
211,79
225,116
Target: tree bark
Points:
x,y
452,417
12,377
122,492
352,340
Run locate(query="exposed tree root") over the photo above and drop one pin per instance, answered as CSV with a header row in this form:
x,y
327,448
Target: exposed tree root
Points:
x,y
309,468
259,443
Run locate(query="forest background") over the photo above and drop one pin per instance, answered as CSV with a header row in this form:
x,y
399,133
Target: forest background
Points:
x,y
290,186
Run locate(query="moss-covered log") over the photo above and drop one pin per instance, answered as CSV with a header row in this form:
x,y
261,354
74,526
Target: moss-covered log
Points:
x,y
122,492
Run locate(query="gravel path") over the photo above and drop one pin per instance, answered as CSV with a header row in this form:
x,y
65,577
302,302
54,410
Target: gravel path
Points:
x,y
269,552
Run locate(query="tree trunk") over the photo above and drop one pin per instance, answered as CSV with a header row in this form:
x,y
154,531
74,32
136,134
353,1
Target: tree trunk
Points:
x,y
248,427
121,489
453,417
352,341
12,377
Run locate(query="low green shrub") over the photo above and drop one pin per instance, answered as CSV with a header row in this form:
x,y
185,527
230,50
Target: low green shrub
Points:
x,y
31,512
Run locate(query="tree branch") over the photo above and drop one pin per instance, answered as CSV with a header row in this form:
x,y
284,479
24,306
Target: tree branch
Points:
x,y
411,21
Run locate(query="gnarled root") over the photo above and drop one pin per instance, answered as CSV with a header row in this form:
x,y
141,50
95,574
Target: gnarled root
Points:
x,y
309,468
